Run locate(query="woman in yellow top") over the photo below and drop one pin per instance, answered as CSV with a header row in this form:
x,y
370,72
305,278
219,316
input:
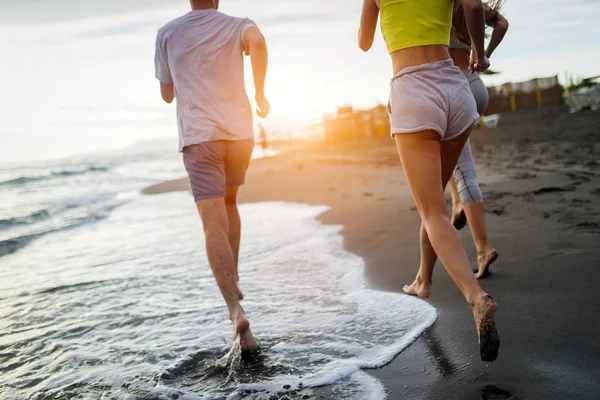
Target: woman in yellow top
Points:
x,y
431,113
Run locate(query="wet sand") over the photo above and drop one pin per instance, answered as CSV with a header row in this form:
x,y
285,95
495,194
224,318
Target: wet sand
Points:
x,y
541,181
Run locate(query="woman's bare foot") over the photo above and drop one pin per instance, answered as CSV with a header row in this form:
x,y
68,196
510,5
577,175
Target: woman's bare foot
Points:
x,y
485,261
489,340
459,218
419,288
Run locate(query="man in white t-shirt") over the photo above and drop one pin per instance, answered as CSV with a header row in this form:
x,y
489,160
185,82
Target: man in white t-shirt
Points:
x,y
199,61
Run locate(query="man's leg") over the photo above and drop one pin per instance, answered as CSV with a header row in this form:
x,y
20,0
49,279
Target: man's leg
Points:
x,y
234,224
237,160
206,164
234,229
223,264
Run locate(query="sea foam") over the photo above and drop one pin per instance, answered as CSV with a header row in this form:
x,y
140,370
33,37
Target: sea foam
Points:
x,y
128,308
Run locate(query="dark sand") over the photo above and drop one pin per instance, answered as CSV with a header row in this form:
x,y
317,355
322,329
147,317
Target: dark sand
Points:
x,y
541,181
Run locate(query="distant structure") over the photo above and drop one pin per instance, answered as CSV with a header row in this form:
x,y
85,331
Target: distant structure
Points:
x,y
586,95
538,92
348,124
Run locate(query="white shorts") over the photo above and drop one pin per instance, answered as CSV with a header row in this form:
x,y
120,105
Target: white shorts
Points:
x,y
433,96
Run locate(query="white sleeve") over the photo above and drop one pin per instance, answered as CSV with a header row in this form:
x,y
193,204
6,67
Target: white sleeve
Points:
x,y
246,23
161,61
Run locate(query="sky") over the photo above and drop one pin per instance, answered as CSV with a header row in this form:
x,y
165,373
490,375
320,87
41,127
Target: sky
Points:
x,y
78,76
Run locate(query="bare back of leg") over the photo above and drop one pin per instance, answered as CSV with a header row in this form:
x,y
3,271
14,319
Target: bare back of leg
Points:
x,y
234,225
467,205
447,153
459,218
428,164
222,262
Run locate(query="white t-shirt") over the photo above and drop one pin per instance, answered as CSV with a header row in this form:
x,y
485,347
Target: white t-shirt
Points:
x,y
201,54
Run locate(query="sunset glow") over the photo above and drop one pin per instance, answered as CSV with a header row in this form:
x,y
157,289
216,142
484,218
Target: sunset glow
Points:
x,y
81,80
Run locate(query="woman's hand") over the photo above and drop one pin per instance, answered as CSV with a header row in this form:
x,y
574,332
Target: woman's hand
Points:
x,y
479,64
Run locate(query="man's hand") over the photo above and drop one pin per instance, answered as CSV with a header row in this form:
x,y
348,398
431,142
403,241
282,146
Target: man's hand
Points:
x,y
167,91
259,57
480,64
263,106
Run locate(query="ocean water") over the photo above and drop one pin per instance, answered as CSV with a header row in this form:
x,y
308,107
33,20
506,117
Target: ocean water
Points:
x,y
112,298
38,198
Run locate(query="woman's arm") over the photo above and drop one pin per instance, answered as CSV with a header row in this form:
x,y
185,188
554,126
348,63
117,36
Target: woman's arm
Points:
x,y
475,16
500,24
368,24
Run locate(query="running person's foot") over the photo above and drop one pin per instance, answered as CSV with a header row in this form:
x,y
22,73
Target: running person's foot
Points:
x,y
419,288
241,329
484,261
489,340
459,218
248,344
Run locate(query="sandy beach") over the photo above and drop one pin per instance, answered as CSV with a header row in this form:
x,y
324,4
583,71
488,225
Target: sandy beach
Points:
x,y
541,181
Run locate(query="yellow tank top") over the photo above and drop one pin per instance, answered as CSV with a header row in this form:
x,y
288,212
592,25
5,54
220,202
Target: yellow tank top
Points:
x,y
412,23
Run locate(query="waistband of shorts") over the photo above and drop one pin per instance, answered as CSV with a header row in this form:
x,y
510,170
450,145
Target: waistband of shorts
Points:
x,y
424,67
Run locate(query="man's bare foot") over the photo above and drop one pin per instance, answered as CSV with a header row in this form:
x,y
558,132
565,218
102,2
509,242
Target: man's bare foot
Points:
x,y
485,261
489,340
242,330
418,288
241,325
459,218
248,344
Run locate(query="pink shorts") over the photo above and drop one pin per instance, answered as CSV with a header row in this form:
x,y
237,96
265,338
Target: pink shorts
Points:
x,y
433,96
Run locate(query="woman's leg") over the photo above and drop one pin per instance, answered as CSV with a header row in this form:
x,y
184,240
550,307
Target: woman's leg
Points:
x,y
486,254
459,219
471,198
421,287
427,162
426,169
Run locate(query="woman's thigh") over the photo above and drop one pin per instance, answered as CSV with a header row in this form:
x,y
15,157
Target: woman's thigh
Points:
x,y
428,164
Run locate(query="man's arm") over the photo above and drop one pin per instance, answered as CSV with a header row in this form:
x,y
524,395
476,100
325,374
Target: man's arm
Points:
x,y
256,47
500,25
162,70
368,25
475,16
167,92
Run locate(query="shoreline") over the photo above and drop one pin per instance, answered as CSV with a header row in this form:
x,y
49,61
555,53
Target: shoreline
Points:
x,y
541,192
